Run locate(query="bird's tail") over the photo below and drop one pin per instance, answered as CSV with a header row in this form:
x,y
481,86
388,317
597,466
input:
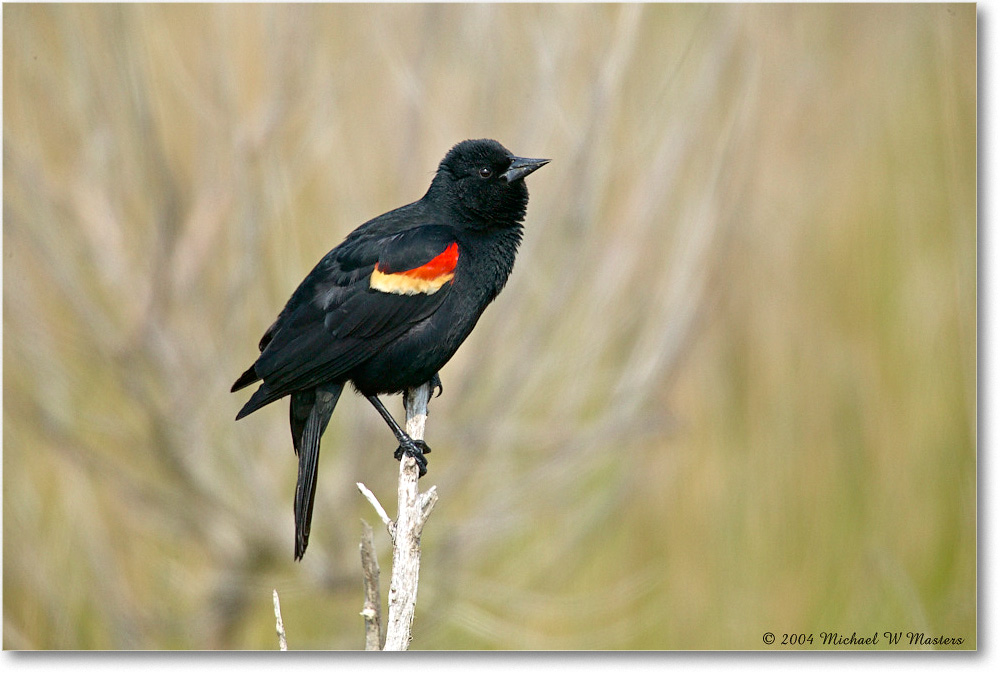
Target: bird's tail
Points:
x,y
306,439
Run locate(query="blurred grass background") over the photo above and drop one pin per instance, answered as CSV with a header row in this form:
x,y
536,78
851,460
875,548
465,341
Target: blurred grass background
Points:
x,y
730,388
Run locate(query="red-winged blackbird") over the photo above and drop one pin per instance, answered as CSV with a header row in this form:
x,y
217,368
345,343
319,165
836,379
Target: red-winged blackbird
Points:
x,y
388,307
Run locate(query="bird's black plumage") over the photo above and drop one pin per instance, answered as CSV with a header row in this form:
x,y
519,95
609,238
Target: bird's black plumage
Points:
x,y
388,307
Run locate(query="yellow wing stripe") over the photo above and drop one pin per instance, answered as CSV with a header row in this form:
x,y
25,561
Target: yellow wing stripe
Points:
x,y
400,284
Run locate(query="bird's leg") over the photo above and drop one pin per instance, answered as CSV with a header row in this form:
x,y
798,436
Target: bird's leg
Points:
x,y
407,445
435,383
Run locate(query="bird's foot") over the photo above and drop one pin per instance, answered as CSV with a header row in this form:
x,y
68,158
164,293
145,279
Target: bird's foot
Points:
x,y
436,384
417,449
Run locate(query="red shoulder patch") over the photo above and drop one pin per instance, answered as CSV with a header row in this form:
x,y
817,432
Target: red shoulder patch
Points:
x,y
440,265
427,278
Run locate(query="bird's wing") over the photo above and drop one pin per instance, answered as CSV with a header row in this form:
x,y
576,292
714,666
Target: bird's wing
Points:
x,y
363,295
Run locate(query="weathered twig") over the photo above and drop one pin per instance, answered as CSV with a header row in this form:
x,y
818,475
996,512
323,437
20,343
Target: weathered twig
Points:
x,y
413,510
279,626
383,515
372,609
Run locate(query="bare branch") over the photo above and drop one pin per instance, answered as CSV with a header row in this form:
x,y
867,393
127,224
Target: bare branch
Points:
x,y
372,609
414,509
279,626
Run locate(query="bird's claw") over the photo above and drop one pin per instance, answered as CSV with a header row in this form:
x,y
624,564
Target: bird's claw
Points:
x,y
436,384
417,449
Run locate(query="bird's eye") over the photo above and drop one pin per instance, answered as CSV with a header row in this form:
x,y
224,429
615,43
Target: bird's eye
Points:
x,y
485,172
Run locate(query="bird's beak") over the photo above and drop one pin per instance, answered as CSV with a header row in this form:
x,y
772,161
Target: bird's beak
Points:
x,y
522,166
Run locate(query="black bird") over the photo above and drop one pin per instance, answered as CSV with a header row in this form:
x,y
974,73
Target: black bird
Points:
x,y
388,307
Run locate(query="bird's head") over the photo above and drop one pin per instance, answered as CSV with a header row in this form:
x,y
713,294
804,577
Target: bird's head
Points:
x,y
484,178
